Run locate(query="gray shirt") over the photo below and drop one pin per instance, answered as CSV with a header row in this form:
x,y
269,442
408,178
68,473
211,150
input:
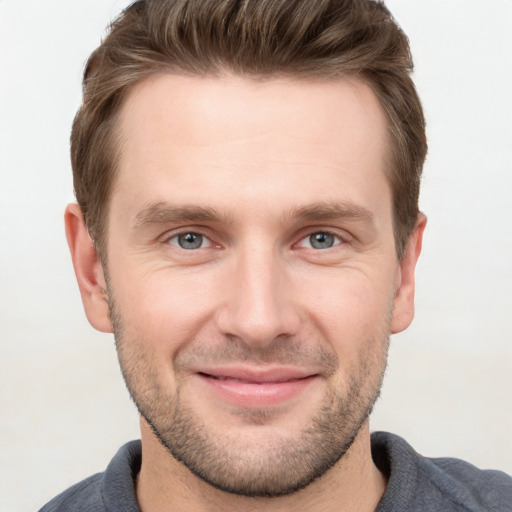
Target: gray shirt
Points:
x,y
415,483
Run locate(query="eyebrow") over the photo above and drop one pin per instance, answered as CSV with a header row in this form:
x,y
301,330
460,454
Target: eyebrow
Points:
x,y
165,213
333,210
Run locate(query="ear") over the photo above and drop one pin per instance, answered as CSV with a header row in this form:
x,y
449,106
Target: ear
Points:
x,y
88,270
403,311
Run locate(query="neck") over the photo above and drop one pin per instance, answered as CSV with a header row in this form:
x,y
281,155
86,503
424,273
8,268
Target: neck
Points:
x,y
164,484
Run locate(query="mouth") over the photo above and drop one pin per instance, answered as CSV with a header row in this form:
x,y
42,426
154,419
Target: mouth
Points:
x,y
249,381
255,388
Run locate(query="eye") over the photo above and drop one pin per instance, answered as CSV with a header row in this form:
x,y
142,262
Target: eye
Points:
x,y
320,240
190,241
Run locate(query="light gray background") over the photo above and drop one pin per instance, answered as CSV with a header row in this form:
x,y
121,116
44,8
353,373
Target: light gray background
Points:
x,y
64,410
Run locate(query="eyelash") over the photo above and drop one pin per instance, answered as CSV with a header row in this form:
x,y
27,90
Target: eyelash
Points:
x,y
337,240
186,233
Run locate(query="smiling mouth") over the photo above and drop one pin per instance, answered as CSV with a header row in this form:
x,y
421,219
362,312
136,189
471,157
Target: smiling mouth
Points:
x,y
250,389
259,382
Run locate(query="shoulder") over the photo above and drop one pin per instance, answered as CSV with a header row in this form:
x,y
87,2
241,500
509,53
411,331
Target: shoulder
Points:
x,y
110,491
85,495
488,489
421,483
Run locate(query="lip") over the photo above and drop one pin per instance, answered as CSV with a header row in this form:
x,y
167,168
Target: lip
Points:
x,y
255,387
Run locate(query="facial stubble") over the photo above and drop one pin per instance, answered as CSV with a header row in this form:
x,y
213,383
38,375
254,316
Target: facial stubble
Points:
x,y
269,465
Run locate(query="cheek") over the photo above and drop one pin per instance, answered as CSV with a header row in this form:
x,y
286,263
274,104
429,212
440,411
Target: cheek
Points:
x,y
354,320
350,308
162,308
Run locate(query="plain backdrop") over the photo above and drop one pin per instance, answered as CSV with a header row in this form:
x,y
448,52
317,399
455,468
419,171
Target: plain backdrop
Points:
x,y
64,409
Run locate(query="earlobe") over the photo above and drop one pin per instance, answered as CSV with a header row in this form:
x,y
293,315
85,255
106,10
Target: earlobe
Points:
x,y
88,270
403,311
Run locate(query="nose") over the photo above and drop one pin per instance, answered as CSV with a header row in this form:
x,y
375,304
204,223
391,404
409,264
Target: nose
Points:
x,y
258,305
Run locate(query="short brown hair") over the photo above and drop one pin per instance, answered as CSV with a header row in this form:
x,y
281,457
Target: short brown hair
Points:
x,y
254,38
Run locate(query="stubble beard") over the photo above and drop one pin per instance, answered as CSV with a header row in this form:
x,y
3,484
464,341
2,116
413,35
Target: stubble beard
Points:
x,y
269,466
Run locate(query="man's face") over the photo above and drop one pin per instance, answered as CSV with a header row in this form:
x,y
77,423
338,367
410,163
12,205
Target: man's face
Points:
x,y
252,273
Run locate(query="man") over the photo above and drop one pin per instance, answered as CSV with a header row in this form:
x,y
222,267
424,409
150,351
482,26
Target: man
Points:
x,y
247,177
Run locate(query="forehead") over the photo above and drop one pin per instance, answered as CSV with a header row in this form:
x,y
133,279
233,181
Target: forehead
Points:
x,y
212,109
198,138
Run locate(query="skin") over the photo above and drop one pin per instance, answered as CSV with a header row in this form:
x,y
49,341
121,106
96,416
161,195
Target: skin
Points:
x,y
255,168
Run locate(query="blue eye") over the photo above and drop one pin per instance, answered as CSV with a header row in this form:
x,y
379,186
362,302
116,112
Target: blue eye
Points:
x,y
189,241
320,240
